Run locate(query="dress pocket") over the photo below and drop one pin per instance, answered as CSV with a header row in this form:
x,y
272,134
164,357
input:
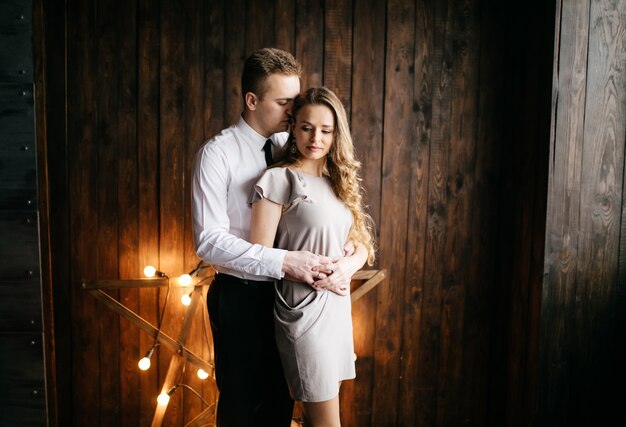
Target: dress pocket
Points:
x,y
293,322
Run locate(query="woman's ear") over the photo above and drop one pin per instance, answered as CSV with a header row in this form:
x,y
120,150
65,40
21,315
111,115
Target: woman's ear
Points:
x,y
251,101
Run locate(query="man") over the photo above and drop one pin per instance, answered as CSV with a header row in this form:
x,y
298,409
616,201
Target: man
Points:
x,y
249,375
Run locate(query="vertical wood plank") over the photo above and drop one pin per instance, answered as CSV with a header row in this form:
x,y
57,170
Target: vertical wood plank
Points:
x,y
600,202
397,138
366,102
193,137
462,50
235,55
148,23
416,226
338,50
106,189
309,50
82,182
284,25
432,334
171,174
128,208
214,70
562,223
481,290
259,25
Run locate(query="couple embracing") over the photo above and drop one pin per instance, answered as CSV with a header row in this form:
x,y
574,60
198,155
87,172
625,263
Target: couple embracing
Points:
x,y
277,209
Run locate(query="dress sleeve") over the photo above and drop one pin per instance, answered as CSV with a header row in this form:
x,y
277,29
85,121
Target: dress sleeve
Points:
x,y
279,185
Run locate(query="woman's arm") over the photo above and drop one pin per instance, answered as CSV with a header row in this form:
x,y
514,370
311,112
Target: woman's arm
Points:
x,y
264,223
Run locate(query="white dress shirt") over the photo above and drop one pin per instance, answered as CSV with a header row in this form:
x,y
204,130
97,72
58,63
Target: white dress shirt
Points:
x,y
224,173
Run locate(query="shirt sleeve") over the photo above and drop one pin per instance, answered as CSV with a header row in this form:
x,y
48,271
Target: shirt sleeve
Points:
x,y
213,241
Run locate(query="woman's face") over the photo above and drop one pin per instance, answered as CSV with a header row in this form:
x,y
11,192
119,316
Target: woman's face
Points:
x,y
314,131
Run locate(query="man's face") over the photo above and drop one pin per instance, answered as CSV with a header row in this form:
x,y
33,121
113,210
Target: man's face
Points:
x,y
273,109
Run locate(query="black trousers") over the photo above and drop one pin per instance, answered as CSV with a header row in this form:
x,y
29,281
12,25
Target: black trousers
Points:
x,y
249,374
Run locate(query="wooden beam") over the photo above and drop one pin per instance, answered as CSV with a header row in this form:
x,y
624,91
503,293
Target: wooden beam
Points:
x,y
175,370
375,279
162,337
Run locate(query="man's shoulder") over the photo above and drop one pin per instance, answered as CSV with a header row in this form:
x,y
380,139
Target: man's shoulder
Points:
x,y
225,141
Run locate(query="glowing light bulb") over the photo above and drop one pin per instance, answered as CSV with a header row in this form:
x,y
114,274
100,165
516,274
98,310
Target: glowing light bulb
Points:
x,y
185,280
144,363
163,398
185,299
149,271
202,374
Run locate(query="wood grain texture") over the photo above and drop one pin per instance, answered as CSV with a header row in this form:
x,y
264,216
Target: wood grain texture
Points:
x,y
309,49
585,199
128,209
338,50
83,209
397,137
171,180
148,29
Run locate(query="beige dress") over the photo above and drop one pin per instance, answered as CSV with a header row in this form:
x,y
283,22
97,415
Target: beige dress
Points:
x,y
313,329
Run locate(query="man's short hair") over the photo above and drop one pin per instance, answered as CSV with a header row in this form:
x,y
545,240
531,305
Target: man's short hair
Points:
x,y
263,63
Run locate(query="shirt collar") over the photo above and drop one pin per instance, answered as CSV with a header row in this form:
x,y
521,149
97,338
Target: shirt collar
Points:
x,y
251,135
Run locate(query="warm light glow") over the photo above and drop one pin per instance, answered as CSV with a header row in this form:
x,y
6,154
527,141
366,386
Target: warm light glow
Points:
x,y
163,399
202,374
185,280
144,364
185,299
149,271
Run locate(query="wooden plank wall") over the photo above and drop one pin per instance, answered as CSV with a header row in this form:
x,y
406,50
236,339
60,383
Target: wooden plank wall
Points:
x,y
450,106
582,331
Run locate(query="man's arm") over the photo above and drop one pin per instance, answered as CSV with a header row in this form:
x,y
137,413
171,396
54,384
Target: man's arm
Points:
x,y
214,242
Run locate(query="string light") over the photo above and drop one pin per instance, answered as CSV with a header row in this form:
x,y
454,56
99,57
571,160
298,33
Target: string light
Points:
x,y
144,363
186,299
185,279
163,399
202,374
149,271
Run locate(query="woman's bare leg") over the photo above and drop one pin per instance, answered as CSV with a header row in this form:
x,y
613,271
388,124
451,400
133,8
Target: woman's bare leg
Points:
x,y
322,414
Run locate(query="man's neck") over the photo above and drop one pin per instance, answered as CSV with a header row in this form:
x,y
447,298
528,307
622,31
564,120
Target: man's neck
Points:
x,y
250,119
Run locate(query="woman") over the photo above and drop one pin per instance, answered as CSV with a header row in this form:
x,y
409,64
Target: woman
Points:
x,y
311,200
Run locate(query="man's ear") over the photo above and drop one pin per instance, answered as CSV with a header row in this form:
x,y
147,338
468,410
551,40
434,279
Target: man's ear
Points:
x,y
251,101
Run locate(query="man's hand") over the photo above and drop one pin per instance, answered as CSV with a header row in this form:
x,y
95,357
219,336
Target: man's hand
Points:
x,y
337,275
304,266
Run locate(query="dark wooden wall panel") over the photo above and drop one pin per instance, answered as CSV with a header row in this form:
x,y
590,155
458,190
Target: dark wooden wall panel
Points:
x,y
23,397
449,105
581,329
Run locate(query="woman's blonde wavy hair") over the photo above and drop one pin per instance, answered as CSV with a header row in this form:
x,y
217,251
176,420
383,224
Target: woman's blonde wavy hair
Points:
x,y
341,167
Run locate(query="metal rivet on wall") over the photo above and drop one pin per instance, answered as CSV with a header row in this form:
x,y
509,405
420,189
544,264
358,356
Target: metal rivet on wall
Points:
x,y
35,393
22,71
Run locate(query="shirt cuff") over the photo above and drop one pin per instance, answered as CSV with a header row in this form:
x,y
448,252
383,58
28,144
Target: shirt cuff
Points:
x,y
273,259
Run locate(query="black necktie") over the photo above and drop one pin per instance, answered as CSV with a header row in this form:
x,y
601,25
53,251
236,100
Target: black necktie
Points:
x,y
268,152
